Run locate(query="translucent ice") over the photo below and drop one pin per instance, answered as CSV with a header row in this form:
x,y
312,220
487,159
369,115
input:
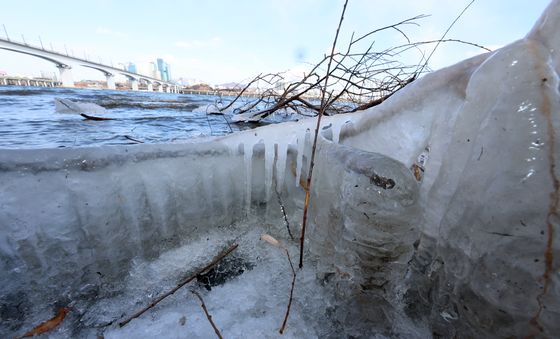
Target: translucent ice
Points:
x,y
435,213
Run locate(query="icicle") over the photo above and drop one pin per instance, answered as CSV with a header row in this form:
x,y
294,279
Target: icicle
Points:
x,y
281,164
268,166
335,128
248,157
301,139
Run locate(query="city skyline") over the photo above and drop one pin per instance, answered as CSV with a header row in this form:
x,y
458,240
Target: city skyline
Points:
x,y
155,72
220,42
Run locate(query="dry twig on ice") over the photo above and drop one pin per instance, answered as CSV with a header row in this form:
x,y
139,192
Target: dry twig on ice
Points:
x,y
216,260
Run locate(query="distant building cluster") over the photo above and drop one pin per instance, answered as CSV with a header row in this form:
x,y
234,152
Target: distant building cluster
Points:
x,y
158,70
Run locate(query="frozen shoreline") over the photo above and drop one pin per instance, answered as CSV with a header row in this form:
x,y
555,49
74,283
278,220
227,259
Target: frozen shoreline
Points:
x,y
468,248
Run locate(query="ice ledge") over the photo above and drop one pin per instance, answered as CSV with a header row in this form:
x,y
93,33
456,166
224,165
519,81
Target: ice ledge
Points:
x,y
483,225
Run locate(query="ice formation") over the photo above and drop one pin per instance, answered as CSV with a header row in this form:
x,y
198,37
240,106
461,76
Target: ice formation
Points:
x,y
433,214
69,106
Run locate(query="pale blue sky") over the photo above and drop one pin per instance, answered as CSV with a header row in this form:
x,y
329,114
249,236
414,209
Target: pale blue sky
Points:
x,y
222,41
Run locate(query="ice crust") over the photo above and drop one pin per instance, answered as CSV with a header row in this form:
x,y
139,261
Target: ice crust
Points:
x,y
433,214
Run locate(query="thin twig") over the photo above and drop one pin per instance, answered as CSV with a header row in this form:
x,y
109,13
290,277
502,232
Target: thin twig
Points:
x,y
208,316
257,78
132,139
283,209
321,112
91,117
216,260
380,100
209,124
443,36
409,21
228,124
283,328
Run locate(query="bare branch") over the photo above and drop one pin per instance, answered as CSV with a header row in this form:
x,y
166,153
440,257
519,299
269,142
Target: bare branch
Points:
x,y
356,79
183,283
444,34
312,162
294,275
208,316
410,21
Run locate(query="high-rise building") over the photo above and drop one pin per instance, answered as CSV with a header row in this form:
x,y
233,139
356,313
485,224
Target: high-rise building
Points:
x,y
163,69
145,68
131,67
154,73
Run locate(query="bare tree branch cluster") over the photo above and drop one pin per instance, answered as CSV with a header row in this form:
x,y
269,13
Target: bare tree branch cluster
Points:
x,y
359,78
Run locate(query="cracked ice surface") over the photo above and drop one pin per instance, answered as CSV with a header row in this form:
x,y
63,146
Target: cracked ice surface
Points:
x,y
435,213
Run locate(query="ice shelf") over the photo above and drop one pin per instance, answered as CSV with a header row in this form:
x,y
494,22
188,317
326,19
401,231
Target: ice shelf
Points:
x,y
435,213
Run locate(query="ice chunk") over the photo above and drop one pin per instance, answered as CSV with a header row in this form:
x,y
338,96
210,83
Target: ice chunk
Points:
x,y
69,106
365,210
246,117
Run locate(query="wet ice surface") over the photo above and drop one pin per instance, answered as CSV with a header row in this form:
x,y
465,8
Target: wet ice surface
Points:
x,y
246,295
250,302
250,305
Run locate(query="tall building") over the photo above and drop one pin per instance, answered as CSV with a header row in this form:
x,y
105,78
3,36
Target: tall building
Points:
x,y
163,69
157,70
146,68
131,67
154,73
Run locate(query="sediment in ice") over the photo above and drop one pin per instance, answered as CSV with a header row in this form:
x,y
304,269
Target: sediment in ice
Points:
x,y
434,213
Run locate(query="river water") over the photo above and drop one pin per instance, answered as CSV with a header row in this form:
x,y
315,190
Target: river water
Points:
x,y
29,119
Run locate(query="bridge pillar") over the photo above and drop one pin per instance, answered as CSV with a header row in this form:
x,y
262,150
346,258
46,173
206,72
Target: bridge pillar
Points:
x,y
150,87
167,89
110,81
134,84
66,76
160,88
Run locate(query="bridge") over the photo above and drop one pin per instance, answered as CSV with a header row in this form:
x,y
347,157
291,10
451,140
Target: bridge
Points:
x,y
65,63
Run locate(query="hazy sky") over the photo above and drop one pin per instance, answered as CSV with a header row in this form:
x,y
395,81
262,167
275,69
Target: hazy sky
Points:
x,y
222,41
